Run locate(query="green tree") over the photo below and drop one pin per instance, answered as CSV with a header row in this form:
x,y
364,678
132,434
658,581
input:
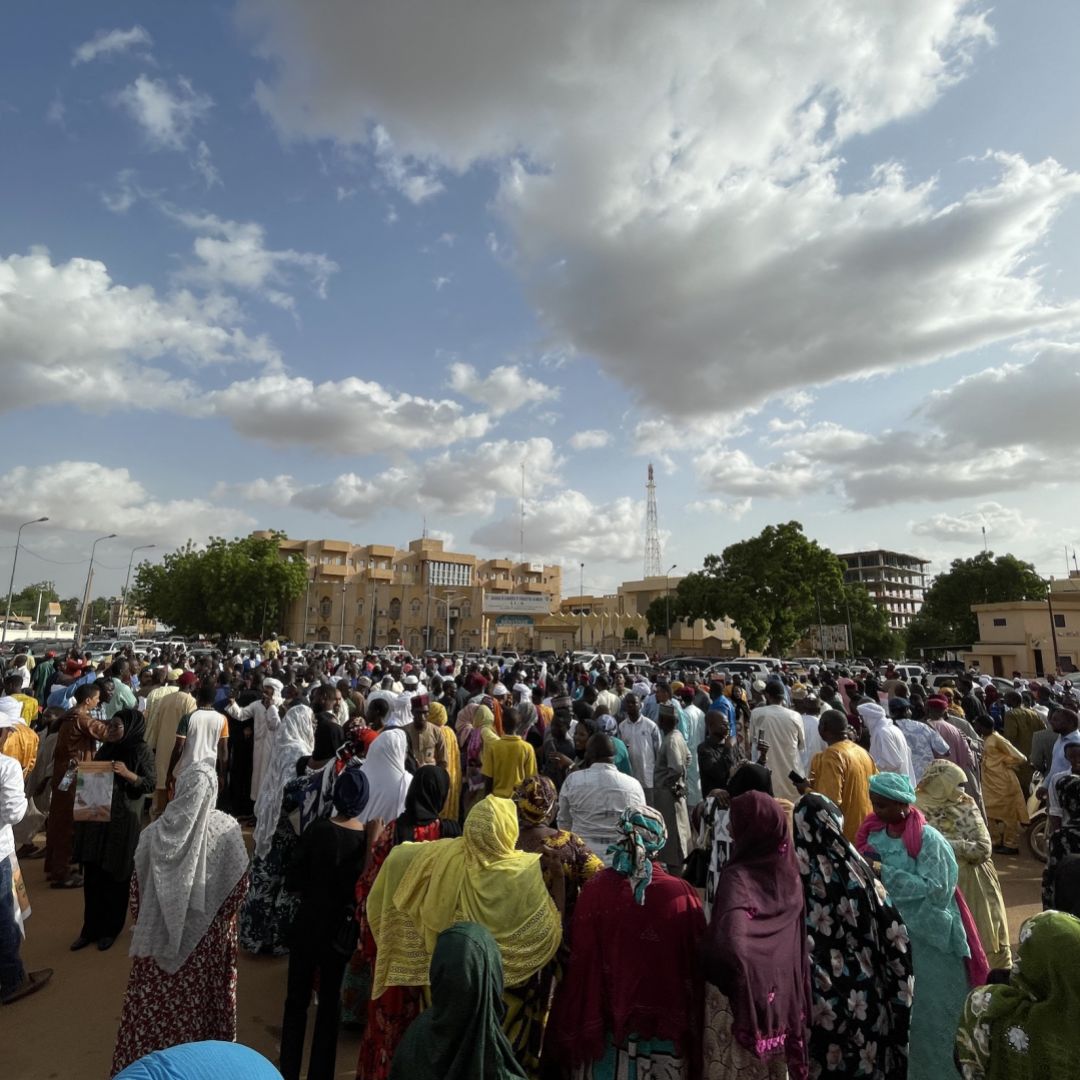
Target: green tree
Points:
x,y
25,601
230,588
769,585
69,609
870,630
630,634
662,614
946,618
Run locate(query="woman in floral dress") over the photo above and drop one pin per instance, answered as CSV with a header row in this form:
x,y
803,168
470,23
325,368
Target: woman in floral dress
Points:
x,y
190,879
861,971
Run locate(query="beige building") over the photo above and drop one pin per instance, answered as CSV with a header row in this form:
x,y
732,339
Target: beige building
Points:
x,y
422,597
1034,637
895,582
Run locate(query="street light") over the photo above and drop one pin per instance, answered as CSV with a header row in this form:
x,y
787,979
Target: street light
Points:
x,y
447,600
11,583
127,582
581,609
667,605
86,591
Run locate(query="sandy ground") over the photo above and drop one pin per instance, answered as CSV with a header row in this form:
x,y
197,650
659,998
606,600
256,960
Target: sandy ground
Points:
x,y
68,1029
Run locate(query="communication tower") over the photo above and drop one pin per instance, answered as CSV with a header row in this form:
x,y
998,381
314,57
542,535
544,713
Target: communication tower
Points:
x,y
652,530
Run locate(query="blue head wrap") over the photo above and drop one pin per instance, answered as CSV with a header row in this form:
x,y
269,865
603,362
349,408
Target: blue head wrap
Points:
x,y
644,834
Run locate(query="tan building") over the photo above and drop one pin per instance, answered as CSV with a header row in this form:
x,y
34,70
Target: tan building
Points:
x,y
895,582
1021,635
422,597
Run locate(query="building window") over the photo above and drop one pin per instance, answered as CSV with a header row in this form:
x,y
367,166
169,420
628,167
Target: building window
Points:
x,y
1059,620
326,605
395,609
359,607
999,622
414,608
440,572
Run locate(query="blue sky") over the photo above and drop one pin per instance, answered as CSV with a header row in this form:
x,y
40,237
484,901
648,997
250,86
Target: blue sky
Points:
x,y
339,268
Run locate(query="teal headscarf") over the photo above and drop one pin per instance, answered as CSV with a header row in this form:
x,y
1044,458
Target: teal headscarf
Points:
x,y
644,834
895,786
460,1037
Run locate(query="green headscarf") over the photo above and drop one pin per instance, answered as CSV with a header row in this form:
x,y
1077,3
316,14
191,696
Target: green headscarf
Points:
x,y
460,1037
1026,1030
895,786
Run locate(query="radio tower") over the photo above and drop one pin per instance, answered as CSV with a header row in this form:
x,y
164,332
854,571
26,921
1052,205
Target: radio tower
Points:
x,y
652,531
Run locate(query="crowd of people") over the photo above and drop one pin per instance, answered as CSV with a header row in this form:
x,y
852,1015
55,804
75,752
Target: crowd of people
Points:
x,y
514,869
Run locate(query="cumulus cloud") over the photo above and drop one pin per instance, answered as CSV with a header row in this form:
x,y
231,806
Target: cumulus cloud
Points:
x,y
734,510
670,176
502,390
234,255
415,184
732,472
166,114
349,416
568,524
108,43
84,496
593,439
70,334
1000,522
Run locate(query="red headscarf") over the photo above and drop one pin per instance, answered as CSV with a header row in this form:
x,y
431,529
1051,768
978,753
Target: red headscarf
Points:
x,y
755,950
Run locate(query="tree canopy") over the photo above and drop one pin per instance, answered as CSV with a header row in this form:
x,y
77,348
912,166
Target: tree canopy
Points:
x,y
946,618
230,588
25,601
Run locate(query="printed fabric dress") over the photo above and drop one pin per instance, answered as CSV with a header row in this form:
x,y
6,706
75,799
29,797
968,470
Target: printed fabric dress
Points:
x,y
195,1004
269,911
861,966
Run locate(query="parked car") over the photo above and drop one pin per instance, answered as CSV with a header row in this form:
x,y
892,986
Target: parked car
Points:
x,y
632,658
687,663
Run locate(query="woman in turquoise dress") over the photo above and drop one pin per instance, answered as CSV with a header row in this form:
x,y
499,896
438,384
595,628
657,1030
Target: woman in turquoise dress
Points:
x,y
918,868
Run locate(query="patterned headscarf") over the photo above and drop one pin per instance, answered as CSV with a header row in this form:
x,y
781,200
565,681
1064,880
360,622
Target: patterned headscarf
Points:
x,y
605,724
535,799
644,834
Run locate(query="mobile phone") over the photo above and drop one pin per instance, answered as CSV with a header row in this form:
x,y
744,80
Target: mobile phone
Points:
x,y
795,778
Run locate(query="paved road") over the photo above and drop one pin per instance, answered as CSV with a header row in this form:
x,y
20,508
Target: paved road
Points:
x,y
68,1030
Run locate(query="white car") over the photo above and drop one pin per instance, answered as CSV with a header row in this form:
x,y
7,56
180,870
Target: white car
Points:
x,y
632,658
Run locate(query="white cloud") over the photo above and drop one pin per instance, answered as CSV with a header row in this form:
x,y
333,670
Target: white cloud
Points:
x,y
125,196
593,439
734,510
569,524
447,239
732,472
415,184
1000,522
351,416
203,164
670,175
69,334
441,282
234,255
502,390
166,115
84,496
108,43
56,112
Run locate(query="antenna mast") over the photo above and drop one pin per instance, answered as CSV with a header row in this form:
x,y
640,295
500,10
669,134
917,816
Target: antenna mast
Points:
x,y
652,530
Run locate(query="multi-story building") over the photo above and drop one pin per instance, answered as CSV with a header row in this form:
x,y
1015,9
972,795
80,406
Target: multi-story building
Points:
x,y
896,582
422,597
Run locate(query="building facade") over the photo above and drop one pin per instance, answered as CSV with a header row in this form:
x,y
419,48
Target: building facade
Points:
x,y
1034,637
422,597
895,582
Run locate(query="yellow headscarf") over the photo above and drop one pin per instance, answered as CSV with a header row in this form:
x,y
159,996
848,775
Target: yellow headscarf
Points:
x,y
452,807
479,877
941,785
437,714
483,719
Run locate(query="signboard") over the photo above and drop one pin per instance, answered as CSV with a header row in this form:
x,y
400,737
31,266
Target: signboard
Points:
x,y
536,568
836,639
516,604
514,620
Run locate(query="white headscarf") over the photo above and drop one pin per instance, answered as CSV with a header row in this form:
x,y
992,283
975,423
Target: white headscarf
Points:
x,y
888,747
277,686
293,739
187,864
388,779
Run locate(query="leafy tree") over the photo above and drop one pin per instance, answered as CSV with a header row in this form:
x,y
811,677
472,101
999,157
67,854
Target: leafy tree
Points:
x,y
25,602
869,623
630,633
769,586
946,617
238,587
69,609
662,614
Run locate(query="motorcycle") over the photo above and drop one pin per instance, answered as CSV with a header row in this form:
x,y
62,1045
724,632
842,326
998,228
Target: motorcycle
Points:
x,y
1037,834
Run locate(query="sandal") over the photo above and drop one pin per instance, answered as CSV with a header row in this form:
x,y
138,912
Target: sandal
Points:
x,y
70,883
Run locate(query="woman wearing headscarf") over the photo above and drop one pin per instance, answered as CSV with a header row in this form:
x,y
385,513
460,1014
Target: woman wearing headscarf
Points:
x,y
190,878
106,849
632,995
323,871
269,909
472,742
437,716
918,868
482,877
388,1016
388,779
757,1001
459,1037
950,810
860,957
1026,1029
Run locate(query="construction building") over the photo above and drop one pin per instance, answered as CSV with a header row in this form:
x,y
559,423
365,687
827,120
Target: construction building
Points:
x,y
895,582
422,597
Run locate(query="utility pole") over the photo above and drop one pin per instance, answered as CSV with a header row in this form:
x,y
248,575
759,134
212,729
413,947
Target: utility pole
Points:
x,y
11,582
86,591
127,582
1053,625
667,601
581,609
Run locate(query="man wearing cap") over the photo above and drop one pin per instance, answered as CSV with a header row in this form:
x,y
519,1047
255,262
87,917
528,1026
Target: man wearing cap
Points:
x,y
924,742
805,702
782,729
172,710
642,738
15,981
426,741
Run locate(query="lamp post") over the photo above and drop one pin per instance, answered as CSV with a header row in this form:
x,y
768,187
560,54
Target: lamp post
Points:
x,y
581,609
341,636
1053,624
11,583
86,591
127,582
447,600
667,605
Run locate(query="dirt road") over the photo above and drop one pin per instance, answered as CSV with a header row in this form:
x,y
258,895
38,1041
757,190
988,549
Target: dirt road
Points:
x,y
68,1029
